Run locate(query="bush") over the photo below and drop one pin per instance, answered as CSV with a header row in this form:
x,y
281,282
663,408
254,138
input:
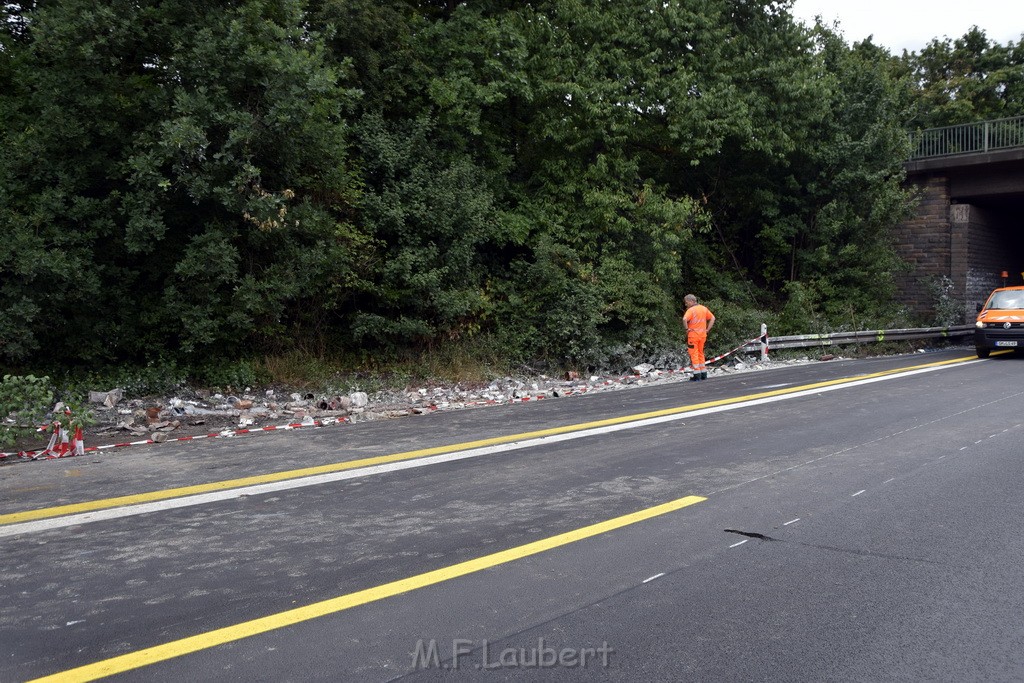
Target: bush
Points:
x,y
24,404
735,324
236,374
156,377
949,308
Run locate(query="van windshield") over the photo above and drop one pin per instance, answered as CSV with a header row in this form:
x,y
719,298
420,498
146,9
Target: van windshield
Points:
x,y
1006,300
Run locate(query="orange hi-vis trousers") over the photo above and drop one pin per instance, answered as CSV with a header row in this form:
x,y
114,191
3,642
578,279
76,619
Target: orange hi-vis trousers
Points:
x,y
695,345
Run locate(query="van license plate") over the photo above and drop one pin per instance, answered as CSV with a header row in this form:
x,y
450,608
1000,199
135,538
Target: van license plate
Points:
x,y
1006,343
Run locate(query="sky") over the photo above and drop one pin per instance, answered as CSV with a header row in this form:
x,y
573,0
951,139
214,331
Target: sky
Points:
x,y
911,24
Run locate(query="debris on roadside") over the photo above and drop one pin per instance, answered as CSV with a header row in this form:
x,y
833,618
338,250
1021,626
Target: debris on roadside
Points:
x,y
202,414
107,398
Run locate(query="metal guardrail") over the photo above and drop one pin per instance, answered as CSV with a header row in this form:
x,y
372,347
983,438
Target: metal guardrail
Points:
x,y
802,341
968,138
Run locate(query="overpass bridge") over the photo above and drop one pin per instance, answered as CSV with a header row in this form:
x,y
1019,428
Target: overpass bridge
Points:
x,y
968,223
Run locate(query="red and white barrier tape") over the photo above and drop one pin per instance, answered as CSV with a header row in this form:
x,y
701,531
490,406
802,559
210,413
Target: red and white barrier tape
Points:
x,y
62,444
729,353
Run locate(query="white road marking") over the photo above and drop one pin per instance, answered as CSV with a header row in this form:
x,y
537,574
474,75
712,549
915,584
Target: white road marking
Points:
x,y
964,448
858,493
791,521
888,480
740,543
652,578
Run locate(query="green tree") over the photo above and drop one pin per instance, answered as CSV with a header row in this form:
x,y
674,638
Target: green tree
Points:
x,y
180,180
566,109
849,195
432,218
804,183
966,79
175,177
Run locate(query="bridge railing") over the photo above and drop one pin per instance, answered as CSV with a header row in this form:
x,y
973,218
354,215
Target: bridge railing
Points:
x,y
968,138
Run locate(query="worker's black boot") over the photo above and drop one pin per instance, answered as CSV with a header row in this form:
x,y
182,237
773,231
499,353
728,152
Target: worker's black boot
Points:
x,y
704,375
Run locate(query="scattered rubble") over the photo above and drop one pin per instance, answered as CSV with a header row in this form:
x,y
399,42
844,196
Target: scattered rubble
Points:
x,y
107,398
200,413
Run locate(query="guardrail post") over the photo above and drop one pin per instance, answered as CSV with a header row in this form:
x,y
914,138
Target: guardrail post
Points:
x,y
764,342
988,131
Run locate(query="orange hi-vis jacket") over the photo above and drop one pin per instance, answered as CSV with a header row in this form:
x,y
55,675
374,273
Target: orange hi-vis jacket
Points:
x,y
697,318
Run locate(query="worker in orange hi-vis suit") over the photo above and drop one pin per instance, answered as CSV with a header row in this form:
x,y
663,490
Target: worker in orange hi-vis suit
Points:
x,y
699,321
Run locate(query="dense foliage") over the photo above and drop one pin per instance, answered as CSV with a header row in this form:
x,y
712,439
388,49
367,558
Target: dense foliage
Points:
x,y
24,402
967,79
181,180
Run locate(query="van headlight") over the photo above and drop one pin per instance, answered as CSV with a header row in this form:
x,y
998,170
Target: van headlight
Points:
x,y
979,325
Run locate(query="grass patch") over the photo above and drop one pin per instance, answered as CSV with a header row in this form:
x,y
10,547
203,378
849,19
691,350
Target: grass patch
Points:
x,y
465,362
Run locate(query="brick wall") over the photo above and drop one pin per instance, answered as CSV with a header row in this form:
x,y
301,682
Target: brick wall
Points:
x,y
926,244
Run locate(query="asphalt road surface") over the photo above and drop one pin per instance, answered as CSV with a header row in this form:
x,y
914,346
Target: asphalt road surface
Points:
x,y
854,520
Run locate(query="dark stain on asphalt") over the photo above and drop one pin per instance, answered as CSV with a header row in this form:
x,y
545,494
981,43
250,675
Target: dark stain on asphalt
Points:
x,y
832,548
750,534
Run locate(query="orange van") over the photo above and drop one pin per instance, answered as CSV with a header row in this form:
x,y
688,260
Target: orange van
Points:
x,y
1000,323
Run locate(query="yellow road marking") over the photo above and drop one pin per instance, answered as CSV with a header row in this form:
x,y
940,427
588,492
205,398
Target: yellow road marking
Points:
x,y
246,629
164,494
